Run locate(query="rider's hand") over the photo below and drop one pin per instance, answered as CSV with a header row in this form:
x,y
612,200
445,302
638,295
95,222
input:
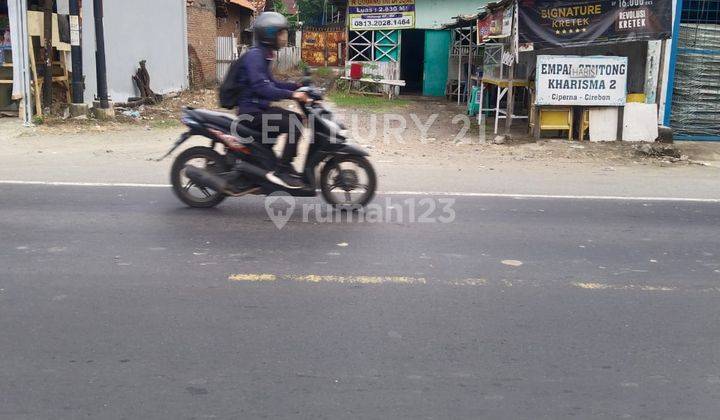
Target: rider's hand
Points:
x,y
301,97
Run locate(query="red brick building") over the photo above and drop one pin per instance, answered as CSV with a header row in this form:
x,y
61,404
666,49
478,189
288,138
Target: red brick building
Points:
x,y
208,19
202,36
235,18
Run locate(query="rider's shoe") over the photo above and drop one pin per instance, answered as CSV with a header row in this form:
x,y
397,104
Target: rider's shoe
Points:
x,y
295,174
283,177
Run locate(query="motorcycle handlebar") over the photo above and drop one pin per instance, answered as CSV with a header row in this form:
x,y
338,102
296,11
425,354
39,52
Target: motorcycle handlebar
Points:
x,y
315,94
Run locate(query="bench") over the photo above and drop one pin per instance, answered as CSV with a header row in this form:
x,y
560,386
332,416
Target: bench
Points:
x,y
366,86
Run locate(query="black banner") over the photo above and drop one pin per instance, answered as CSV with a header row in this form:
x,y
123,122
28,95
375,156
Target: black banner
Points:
x,y
560,23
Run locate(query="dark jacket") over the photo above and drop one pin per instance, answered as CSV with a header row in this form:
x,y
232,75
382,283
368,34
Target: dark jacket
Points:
x,y
260,88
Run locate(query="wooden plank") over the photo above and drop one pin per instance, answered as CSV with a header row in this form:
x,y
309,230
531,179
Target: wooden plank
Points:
x,y
360,92
505,82
378,82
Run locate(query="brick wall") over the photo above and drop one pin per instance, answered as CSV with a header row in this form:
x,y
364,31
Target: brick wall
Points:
x,y
259,5
236,22
202,41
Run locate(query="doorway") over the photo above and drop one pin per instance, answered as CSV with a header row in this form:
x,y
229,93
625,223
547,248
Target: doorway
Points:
x,y
412,58
437,53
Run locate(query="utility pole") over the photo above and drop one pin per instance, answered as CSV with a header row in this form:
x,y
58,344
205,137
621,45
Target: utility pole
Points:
x,y
511,75
78,87
48,58
100,65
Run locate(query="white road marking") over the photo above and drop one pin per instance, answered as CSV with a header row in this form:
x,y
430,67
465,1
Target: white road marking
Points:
x,y
554,196
85,184
412,193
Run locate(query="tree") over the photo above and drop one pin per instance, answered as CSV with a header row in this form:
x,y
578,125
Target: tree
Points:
x,y
280,7
311,10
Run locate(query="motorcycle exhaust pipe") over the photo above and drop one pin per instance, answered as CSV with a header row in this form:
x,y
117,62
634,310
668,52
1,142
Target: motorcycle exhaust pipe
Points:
x,y
205,179
252,170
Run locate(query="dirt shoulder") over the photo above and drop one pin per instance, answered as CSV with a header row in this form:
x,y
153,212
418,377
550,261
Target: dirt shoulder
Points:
x,y
426,157
415,129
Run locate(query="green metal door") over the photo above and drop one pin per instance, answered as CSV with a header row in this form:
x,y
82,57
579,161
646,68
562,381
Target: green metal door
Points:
x,y
437,53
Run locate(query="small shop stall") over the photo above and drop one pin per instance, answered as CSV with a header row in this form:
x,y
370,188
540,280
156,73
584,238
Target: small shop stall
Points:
x,y
501,76
575,66
464,60
21,51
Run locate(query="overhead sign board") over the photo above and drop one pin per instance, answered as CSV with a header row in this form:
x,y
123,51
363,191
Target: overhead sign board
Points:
x,y
555,23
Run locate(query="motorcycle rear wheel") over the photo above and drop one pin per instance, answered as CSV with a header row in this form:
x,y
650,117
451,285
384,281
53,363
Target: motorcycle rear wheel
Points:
x,y
184,187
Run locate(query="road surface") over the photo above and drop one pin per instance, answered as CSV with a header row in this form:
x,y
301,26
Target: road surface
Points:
x,y
118,302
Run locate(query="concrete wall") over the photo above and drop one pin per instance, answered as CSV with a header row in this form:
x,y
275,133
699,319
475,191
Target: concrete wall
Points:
x,y
138,30
432,14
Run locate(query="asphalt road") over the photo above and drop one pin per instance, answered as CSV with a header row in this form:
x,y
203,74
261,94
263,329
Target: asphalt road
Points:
x,y
120,303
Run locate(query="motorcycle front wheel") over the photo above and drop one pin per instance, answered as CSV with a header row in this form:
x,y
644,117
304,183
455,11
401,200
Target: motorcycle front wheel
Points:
x,y
348,182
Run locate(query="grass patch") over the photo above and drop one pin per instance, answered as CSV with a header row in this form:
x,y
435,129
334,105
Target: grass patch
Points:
x,y
325,72
349,100
170,123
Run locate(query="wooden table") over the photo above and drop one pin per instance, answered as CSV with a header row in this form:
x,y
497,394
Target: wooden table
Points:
x,y
502,88
364,86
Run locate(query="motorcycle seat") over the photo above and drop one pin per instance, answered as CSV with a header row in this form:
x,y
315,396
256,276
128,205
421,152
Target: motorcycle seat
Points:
x,y
223,121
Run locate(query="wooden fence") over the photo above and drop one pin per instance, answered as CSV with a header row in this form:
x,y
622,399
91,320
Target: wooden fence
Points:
x,y
288,58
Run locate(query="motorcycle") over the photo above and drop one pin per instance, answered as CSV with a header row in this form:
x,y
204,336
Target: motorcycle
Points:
x,y
231,166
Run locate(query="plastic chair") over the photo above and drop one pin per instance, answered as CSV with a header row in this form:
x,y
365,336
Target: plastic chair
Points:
x,y
473,106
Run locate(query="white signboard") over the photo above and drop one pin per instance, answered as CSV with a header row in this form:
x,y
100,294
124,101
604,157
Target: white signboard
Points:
x,y
584,81
383,21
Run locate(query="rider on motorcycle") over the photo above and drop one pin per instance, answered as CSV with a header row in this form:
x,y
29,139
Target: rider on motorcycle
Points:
x,y
260,89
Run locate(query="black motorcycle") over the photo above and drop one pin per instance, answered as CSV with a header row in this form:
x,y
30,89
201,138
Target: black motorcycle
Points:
x,y
233,166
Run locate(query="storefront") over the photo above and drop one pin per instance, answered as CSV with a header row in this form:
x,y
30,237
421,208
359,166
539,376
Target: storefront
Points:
x,y
586,68
406,40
